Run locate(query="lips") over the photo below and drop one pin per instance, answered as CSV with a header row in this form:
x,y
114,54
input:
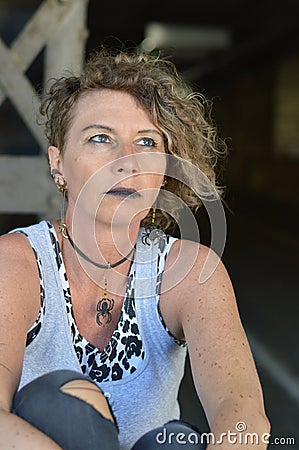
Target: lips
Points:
x,y
124,192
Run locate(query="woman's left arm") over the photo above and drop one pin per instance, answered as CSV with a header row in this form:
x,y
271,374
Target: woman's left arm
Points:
x,y
222,365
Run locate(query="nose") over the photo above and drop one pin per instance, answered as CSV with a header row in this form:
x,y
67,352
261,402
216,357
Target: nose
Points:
x,y
126,162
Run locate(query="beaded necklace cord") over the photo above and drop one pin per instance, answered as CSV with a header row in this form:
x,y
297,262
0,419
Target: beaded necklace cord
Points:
x,y
105,304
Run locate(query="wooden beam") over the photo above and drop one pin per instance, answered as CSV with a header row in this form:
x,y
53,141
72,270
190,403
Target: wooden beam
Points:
x,y
65,49
26,186
58,25
61,25
20,91
35,34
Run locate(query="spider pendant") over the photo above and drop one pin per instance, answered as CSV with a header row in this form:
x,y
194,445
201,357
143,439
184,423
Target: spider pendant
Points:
x,y
154,235
104,306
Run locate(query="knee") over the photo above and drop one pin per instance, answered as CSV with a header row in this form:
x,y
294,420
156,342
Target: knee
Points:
x,y
61,388
69,408
88,392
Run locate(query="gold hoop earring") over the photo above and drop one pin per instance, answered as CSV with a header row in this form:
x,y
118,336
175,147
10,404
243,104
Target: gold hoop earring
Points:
x,y
62,187
59,180
61,184
62,226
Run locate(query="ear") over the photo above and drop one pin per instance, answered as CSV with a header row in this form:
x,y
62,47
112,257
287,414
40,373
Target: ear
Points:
x,y
55,159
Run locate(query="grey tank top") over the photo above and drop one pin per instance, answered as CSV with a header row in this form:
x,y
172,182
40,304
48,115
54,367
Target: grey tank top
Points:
x,y
139,373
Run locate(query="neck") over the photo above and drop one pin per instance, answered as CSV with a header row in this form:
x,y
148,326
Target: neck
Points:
x,y
100,241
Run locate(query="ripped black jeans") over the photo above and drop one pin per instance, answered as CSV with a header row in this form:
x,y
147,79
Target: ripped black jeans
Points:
x,y
76,425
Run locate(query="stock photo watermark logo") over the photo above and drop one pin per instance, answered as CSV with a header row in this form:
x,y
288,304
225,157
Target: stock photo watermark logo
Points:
x,y
94,193
238,436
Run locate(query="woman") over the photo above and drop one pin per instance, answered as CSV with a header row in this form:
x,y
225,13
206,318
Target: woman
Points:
x,y
89,307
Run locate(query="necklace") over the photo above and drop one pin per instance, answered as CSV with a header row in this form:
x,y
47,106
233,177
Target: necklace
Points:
x,y
105,304
101,266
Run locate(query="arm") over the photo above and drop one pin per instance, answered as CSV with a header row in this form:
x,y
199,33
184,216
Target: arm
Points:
x,y
222,365
19,305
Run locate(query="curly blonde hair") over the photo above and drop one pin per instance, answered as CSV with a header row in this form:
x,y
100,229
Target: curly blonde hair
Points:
x,y
181,114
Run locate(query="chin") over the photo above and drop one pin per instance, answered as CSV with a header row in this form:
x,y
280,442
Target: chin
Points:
x,y
124,219
125,213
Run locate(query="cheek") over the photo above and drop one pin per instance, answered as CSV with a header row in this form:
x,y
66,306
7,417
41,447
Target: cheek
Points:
x,y
78,170
155,180
76,175
153,162
151,189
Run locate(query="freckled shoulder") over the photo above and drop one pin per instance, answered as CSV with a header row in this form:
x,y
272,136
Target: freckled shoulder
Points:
x,y
193,282
19,273
189,264
19,305
180,283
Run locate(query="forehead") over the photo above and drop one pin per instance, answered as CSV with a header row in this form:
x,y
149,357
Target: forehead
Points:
x,y
108,104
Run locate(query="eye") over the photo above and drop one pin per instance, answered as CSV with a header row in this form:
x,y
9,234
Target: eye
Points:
x,y
100,139
147,142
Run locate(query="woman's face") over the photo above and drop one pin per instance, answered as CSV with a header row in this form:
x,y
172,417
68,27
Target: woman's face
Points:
x,y
114,157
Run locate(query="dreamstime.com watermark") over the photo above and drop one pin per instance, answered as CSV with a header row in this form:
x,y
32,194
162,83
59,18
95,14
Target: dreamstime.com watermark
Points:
x,y
239,436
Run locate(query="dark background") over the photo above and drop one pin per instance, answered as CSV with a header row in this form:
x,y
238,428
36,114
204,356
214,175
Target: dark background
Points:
x,y
253,83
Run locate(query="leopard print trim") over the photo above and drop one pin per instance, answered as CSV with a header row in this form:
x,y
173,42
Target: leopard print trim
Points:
x,y
160,265
125,350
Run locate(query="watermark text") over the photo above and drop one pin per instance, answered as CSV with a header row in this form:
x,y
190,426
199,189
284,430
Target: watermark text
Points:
x,y
239,436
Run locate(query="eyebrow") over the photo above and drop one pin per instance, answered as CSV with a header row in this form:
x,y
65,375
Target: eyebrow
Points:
x,y
150,130
96,126
105,127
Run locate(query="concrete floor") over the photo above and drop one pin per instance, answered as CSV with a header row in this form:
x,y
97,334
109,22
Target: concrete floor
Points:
x,y
261,256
